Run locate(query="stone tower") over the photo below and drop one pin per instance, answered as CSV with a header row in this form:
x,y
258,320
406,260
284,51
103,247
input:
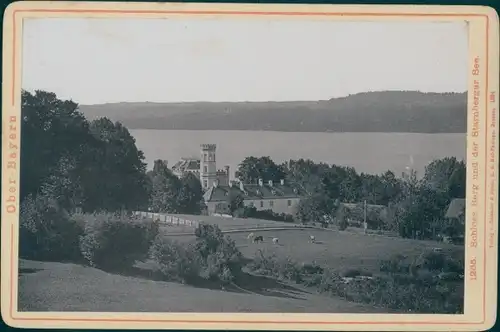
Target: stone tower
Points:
x,y
208,168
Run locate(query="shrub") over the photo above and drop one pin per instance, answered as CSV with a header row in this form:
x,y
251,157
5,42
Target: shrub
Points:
x,y
343,224
280,268
396,264
47,231
434,261
211,256
176,261
439,262
351,273
252,212
331,282
219,256
400,292
113,241
422,292
453,265
311,268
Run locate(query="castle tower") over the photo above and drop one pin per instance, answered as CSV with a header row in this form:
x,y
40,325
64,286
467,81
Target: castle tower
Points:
x,y
208,169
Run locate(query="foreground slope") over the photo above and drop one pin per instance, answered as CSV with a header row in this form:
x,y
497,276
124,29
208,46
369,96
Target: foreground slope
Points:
x,y
45,286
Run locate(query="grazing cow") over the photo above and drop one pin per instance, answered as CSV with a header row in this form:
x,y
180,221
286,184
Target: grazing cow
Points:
x,y
312,238
258,238
250,236
275,240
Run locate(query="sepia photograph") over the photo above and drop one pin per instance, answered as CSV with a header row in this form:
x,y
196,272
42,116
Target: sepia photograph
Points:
x,y
244,164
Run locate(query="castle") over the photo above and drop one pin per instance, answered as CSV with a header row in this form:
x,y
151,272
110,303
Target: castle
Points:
x,y
278,197
204,168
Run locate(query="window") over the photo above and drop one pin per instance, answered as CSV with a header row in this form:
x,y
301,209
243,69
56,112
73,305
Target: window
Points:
x,y
261,204
271,203
289,203
205,183
205,169
204,157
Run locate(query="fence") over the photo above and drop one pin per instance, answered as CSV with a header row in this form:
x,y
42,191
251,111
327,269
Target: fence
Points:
x,y
167,218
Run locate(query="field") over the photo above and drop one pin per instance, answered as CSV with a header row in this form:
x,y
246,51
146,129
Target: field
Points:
x,y
49,286
337,249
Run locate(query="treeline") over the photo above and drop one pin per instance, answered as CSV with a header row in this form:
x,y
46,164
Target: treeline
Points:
x,y
382,111
415,206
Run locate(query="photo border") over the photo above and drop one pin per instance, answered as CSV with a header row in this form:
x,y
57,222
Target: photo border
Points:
x,y
483,20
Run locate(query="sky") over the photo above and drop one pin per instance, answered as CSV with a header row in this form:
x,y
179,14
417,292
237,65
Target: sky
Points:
x,y
93,61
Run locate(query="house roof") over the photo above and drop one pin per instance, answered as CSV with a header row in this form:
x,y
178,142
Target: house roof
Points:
x,y
186,164
456,208
252,191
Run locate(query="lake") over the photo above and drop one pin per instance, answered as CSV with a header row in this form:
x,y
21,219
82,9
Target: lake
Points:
x,y
372,153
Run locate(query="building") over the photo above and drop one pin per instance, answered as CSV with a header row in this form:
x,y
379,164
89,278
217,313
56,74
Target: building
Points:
x,y
204,168
455,215
456,209
187,165
278,197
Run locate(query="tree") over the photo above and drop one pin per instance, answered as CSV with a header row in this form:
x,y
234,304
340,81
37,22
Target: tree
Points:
x,y
235,201
64,184
118,175
305,174
349,187
190,197
251,169
314,208
51,129
341,218
164,189
392,188
419,209
447,175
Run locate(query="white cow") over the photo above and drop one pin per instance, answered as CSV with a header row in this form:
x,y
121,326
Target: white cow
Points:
x,y
275,240
312,238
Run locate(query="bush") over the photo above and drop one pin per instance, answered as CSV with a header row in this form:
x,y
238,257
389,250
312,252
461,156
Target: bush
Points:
x,y
219,256
396,264
252,212
312,268
47,231
113,241
453,265
352,273
439,262
422,293
343,224
400,292
434,261
211,256
177,262
280,268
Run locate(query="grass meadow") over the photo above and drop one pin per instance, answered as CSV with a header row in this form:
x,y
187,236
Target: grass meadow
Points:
x,y
52,286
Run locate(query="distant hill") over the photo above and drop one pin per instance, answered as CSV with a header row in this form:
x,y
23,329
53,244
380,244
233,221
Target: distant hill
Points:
x,y
386,111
